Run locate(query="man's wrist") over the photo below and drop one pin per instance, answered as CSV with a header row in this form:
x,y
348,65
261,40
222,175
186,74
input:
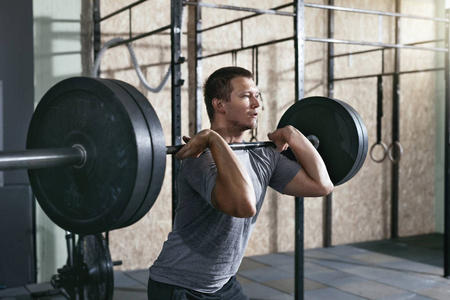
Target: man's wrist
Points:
x,y
289,133
212,137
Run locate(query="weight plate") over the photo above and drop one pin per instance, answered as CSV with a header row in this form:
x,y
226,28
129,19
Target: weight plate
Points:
x,y
88,199
158,150
339,131
96,260
355,167
364,142
144,147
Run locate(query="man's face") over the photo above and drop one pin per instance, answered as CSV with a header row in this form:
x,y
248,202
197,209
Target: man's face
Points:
x,y
242,109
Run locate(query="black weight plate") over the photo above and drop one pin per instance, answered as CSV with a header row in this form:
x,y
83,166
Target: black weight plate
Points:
x,y
144,148
364,142
158,150
361,138
91,198
95,257
335,126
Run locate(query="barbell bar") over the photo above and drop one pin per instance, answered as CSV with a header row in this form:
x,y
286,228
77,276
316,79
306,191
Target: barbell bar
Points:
x,y
42,158
76,155
248,145
96,153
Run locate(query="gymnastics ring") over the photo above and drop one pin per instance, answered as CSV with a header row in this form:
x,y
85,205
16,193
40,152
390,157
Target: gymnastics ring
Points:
x,y
385,152
399,147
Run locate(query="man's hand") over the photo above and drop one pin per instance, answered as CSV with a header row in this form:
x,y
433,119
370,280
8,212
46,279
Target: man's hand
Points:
x,y
195,145
278,137
312,179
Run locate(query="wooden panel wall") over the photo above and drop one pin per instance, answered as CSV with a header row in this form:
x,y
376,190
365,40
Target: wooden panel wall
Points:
x,y
362,206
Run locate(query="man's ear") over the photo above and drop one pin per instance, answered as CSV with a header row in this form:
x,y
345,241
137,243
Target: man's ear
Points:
x,y
218,105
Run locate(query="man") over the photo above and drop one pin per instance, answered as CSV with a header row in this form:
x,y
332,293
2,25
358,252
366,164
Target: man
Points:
x,y
221,192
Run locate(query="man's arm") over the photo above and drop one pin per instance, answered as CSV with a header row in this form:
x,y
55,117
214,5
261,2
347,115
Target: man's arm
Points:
x,y
313,179
233,193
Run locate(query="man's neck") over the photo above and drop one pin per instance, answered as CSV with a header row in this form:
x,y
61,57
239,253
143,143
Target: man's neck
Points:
x,y
228,135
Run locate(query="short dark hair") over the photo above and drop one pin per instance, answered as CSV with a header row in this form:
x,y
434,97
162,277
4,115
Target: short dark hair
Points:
x,y
218,85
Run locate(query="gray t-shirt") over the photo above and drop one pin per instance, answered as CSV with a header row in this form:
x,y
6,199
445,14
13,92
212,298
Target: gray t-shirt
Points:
x,y
206,246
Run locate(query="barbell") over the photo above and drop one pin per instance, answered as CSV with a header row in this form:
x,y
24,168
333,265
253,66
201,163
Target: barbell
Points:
x,y
96,152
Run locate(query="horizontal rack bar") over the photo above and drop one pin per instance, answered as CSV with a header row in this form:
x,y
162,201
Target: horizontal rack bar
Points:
x,y
242,19
383,48
121,10
389,74
41,158
240,8
141,36
309,39
398,46
374,12
246,48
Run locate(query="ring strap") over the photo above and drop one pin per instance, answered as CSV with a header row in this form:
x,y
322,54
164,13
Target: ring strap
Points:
x,y
379,107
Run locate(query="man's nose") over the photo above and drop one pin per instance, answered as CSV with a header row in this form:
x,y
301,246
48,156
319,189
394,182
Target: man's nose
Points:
x,y
255,101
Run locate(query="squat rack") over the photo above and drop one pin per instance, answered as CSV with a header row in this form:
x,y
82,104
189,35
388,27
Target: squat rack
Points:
x,y
299,39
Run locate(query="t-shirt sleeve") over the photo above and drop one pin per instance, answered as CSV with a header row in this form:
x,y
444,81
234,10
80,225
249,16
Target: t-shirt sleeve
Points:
x,y
284,171
200,173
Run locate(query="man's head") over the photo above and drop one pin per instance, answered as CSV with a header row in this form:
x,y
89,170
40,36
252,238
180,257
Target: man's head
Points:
x,y
218,85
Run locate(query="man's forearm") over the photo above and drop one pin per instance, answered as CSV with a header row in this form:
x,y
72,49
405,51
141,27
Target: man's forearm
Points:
x,y
233,193
307,156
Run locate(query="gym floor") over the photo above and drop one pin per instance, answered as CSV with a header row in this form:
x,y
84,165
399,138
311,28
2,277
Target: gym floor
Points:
x,y
404,268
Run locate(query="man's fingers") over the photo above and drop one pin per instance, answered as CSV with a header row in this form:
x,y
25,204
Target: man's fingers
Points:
x,y
189,151
278,140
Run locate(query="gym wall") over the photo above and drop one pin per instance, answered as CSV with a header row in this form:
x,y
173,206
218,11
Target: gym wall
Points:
x,y
361,207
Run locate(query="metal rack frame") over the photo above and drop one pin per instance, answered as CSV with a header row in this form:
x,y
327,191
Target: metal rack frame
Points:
x,y
396,104
397,72
299,46
299,41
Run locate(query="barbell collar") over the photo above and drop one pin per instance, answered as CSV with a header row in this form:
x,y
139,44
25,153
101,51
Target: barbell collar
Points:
x,y
42,158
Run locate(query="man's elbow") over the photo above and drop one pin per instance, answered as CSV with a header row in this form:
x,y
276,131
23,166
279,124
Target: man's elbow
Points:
x,y
240,207
326,188
246,211
245,208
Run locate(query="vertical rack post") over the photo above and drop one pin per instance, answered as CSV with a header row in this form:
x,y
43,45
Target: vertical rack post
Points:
x,y
328,204
447,153
97,39
195,68
395,127
299,45
177,82
198,67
